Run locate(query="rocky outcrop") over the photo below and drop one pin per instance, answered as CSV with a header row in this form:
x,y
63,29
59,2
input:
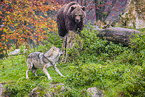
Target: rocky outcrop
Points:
x,y
17,52
94,92
134,15
2,89
53,91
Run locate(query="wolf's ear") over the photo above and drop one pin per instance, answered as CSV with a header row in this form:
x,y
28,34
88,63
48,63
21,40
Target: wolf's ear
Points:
x,y
83,8
52,46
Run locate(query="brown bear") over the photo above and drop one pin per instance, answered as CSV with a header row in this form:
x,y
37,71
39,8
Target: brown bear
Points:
x,y
70,17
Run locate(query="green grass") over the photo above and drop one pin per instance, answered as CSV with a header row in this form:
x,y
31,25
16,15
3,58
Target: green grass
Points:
x,y
14,68
116,70
13,75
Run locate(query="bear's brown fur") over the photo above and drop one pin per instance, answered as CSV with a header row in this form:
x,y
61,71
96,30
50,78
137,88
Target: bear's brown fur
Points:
x,y
70,17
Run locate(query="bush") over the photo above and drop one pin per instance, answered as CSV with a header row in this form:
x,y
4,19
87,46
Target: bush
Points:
x,y
118,70
93,48
114,79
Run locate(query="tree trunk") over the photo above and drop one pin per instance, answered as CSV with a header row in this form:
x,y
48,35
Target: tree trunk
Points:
x,y
117,34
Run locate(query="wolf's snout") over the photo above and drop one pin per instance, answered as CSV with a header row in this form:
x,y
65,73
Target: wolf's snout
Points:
x,y
61,53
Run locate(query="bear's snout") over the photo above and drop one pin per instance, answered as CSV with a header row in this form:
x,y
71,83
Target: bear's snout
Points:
x,y
77,19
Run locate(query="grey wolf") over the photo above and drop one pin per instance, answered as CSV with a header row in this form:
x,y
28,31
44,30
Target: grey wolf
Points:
x,y
37,60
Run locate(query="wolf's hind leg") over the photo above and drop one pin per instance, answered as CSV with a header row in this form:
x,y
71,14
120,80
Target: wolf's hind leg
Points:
x,y
33,69
46,72
34,72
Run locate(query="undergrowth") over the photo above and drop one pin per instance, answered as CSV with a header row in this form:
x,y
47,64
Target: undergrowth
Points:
x,y
112,68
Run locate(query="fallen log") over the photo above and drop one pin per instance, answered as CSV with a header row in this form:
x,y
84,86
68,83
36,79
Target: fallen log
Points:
x,y
117,34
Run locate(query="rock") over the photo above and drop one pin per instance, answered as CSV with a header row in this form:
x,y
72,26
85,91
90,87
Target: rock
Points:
x,y
140,23
25,51
17,51
94,92
134,15
54,90
33,93
118,7
1,25
109,11
2,89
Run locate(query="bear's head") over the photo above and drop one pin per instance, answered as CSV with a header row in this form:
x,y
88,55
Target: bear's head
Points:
x,y
77,13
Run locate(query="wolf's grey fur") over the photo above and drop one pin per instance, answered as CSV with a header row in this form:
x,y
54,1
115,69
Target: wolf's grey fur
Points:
x,y
37,60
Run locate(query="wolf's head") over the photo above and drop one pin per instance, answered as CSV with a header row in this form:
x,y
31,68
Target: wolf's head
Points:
x,y
56,51
53,52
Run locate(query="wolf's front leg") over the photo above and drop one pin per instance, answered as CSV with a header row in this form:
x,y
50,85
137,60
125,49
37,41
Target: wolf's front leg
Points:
x,y
29,65
56,69
46,72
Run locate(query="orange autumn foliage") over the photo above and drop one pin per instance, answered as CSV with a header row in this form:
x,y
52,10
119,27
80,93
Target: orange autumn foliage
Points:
x,y
27,19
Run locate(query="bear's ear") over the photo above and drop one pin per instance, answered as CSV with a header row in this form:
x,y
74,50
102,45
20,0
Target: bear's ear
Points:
x,y
72,8
83,8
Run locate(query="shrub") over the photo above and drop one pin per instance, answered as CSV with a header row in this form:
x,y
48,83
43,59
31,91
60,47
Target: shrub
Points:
x,y
118,70
93,48
114,79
